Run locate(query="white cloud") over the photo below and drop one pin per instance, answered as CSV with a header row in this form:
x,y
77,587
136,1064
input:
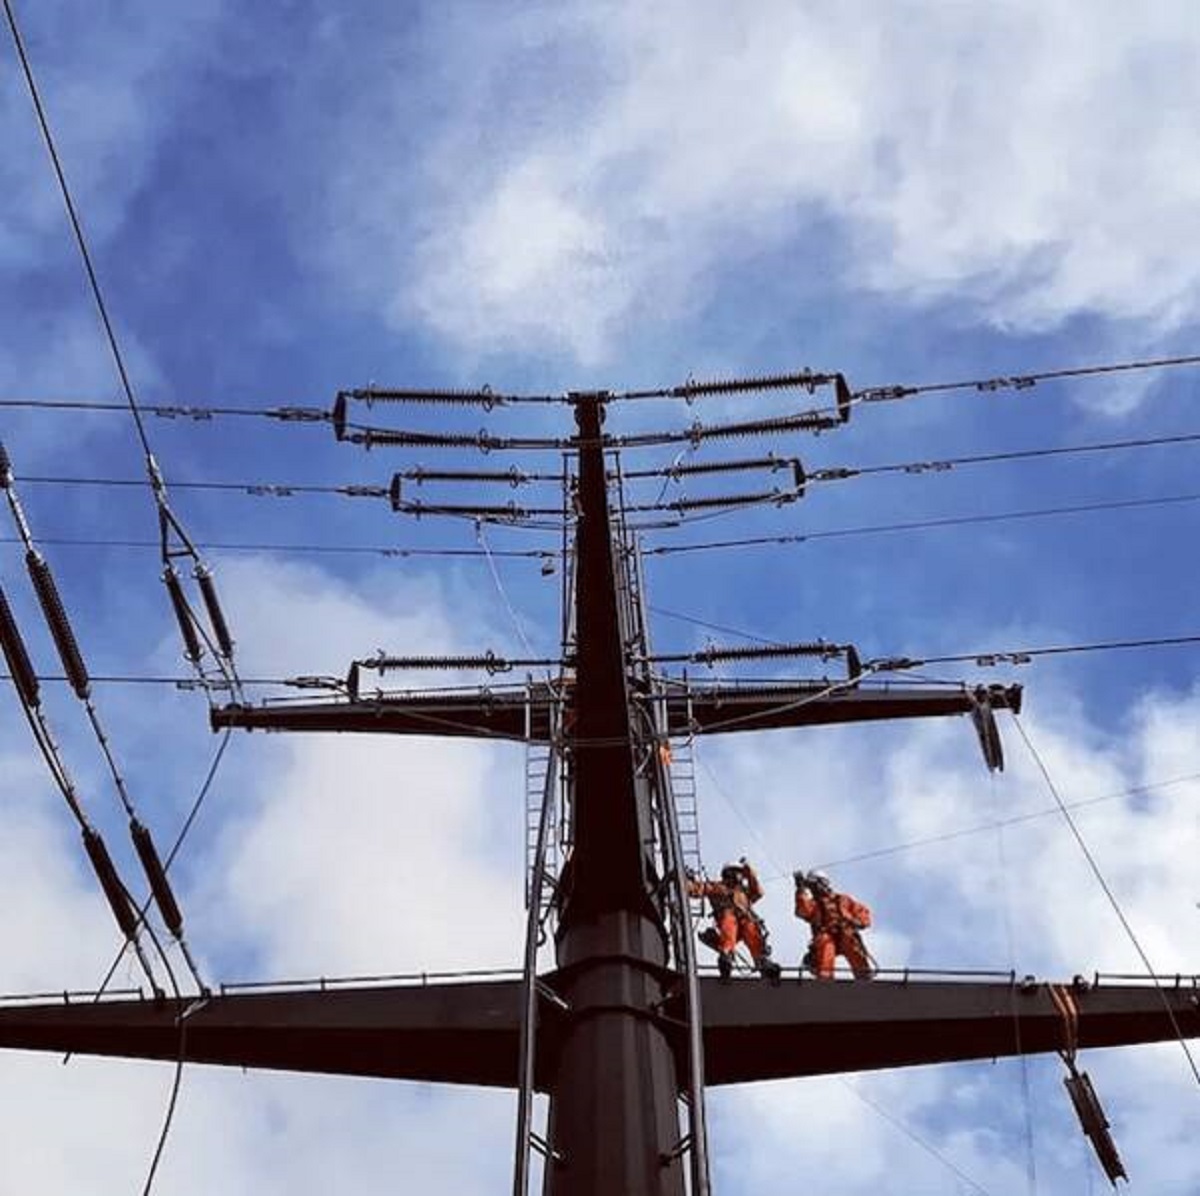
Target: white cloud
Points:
x,y
1025,161
109,91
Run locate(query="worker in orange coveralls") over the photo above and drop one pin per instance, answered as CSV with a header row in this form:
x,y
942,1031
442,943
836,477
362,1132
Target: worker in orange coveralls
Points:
x,y
732,899
836,920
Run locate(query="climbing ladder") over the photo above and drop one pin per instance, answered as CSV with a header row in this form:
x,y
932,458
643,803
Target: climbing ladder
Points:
x,y
545,777
683,786
539,759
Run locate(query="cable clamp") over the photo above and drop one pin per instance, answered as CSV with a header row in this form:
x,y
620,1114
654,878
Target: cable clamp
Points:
x,y
198,414
157,483
1016,382
883,394
990,659
302,415
312,681
888,664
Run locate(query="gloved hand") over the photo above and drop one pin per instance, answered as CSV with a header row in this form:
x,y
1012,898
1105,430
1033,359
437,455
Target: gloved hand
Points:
x,y
801,878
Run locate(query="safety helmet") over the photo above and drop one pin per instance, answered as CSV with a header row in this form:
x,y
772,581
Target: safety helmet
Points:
x,y
820,880
731,873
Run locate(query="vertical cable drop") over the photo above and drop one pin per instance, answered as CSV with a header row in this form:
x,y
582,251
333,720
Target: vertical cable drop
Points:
x,y
160,887
216,616
57,621
110,882
19,665
183,616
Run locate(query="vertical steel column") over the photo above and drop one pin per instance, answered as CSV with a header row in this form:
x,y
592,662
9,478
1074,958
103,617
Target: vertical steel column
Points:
x,y
614,1121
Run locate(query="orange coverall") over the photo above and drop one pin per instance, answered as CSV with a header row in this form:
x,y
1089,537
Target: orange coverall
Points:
x,y
836,920
732,914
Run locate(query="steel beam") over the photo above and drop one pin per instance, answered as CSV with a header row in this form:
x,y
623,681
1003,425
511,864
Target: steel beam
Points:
x,y
467,1033
450,1033
755,1032
702,710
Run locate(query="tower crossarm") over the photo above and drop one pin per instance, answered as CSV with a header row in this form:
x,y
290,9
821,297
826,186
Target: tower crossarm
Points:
x,y
514,713
708,709
756,1032
467,1032
454,1033
692,709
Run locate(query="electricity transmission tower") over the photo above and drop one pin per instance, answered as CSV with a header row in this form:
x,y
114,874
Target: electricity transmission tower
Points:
x,y
622,1035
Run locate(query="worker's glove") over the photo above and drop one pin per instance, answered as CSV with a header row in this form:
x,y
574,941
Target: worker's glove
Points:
x,y
745,863
801,878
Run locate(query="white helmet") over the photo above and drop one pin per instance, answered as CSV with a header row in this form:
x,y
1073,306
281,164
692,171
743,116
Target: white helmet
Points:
x,y
820,880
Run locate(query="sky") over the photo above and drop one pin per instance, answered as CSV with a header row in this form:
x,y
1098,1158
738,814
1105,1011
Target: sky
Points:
x,y
287,200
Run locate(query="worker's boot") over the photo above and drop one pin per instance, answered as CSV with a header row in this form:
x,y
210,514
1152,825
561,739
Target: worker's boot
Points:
x,y
770,970
725,966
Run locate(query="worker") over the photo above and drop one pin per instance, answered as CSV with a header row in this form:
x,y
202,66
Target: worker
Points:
x,y
732,900
837,921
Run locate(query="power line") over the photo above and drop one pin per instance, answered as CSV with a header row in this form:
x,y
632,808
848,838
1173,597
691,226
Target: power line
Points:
x,y
911,1134
192,682
77,229
1112,900
171,412
665,549
1013,820
948,463
877,394
921,525
254,489
1024,655
984,659
515,477
721,627
487,398
333,549
194,630
493,663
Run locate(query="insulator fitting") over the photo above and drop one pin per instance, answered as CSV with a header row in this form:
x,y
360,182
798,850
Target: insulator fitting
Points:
x,y
192,649
718,501
484,397
337,417
60,627
398,438
212,604
383,663
19,664
805,380
845,399
110,882
395,492
854,666
6,471
156,874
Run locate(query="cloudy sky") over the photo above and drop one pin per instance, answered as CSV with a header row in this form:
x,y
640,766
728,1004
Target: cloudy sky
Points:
x,y
285,200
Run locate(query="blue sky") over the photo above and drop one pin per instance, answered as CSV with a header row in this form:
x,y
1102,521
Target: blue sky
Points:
x,y
286,201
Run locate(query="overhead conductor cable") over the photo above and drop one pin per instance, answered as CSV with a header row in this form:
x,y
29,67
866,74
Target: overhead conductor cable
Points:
x,y
168,522
28,691
46,589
